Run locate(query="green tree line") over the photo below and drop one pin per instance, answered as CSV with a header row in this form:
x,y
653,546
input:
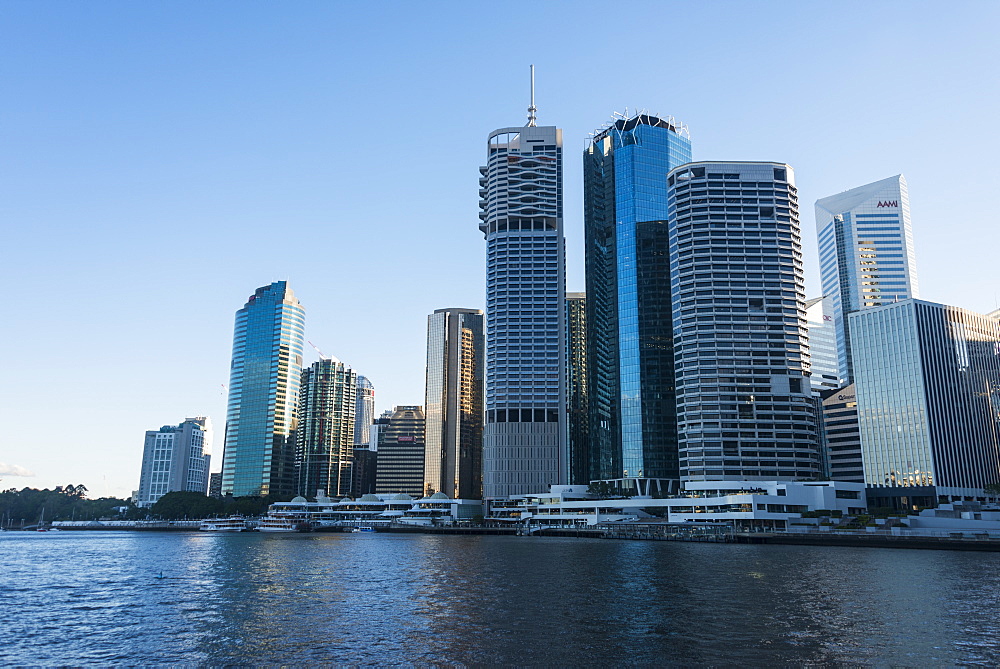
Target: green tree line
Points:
x,y
26,506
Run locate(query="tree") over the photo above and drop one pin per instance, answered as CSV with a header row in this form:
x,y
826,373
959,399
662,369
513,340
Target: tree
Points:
x,y
179,505
992,489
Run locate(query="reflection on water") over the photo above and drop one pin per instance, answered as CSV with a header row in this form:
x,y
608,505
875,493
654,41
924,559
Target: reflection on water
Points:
x,y
98,598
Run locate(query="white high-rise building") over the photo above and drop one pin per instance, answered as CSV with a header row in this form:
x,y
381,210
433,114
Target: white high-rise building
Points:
x,y
365,409
175,458
865,253
522,220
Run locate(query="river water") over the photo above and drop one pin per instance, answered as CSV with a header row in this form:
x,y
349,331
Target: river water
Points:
x,y
83,598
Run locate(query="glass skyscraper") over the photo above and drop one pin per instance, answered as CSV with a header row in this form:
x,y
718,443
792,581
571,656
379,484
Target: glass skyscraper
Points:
x,y
928,393
365,416
823,361
453,411
522,219
263,391
865,253
744,404
578,427
324,438
400,462
633,432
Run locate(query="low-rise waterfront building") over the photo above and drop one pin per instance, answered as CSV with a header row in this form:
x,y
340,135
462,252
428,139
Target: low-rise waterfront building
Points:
x,y
747,505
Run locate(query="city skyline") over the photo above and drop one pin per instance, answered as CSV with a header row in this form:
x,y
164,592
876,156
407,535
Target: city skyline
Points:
x,y
137,148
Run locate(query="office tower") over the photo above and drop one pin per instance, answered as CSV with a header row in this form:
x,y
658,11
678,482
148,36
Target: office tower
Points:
x,y
522,219
454,403
263,392
365,412
633,423
401,453
175,458
215,485
865,253
577,418
324,439
744,407
822,345
928,392
842,435
363,474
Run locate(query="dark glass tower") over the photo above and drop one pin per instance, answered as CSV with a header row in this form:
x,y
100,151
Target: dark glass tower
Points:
x,y
629,339
325,435
576,389
263,390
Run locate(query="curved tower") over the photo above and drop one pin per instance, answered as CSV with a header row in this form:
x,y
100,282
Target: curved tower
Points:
x,y
258,457
741,356
365,416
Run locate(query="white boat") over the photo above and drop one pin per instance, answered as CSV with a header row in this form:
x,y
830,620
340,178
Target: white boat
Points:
x,y
230,524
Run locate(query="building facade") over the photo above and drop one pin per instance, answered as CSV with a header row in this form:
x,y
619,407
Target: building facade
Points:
x,y
400,466
577,415
521,216
842,435
258,458
453,408
365,415
175,458
744,405
324,439
633,424
928,393
823,360
865,253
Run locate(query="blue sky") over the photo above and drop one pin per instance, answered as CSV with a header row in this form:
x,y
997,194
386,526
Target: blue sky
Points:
x,y
159,161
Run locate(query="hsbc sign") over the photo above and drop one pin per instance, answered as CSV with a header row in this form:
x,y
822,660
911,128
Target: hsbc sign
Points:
x,y
888,203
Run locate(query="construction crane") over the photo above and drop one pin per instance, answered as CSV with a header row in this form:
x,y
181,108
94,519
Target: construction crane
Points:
x,y
322,356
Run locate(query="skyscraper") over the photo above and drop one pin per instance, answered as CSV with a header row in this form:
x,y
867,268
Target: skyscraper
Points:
x,y
522,220
633,426
454,403
175,458
400,467
823,361
865,253
263,391
365,412
744,406
928,395
325,435
577,416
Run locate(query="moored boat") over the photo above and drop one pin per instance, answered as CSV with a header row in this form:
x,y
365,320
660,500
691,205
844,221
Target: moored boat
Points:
x,y
230,524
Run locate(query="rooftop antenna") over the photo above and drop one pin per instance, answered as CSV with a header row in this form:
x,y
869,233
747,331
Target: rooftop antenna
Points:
x,y
532,109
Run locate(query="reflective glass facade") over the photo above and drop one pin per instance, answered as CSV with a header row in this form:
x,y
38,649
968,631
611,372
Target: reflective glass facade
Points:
x,y
865,253
629,339
454,403
263,393
324,439
578,446
521,216
744,405
365,415
928,391
823,359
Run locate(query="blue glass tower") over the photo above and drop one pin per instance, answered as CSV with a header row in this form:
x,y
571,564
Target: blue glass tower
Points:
x,y
633,431
263,391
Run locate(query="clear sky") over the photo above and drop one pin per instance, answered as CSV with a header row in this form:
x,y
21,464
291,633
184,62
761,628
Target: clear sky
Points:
x,y
161,160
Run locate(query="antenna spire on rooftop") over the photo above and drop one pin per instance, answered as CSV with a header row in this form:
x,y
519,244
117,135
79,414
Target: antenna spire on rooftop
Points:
x,y
532,109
